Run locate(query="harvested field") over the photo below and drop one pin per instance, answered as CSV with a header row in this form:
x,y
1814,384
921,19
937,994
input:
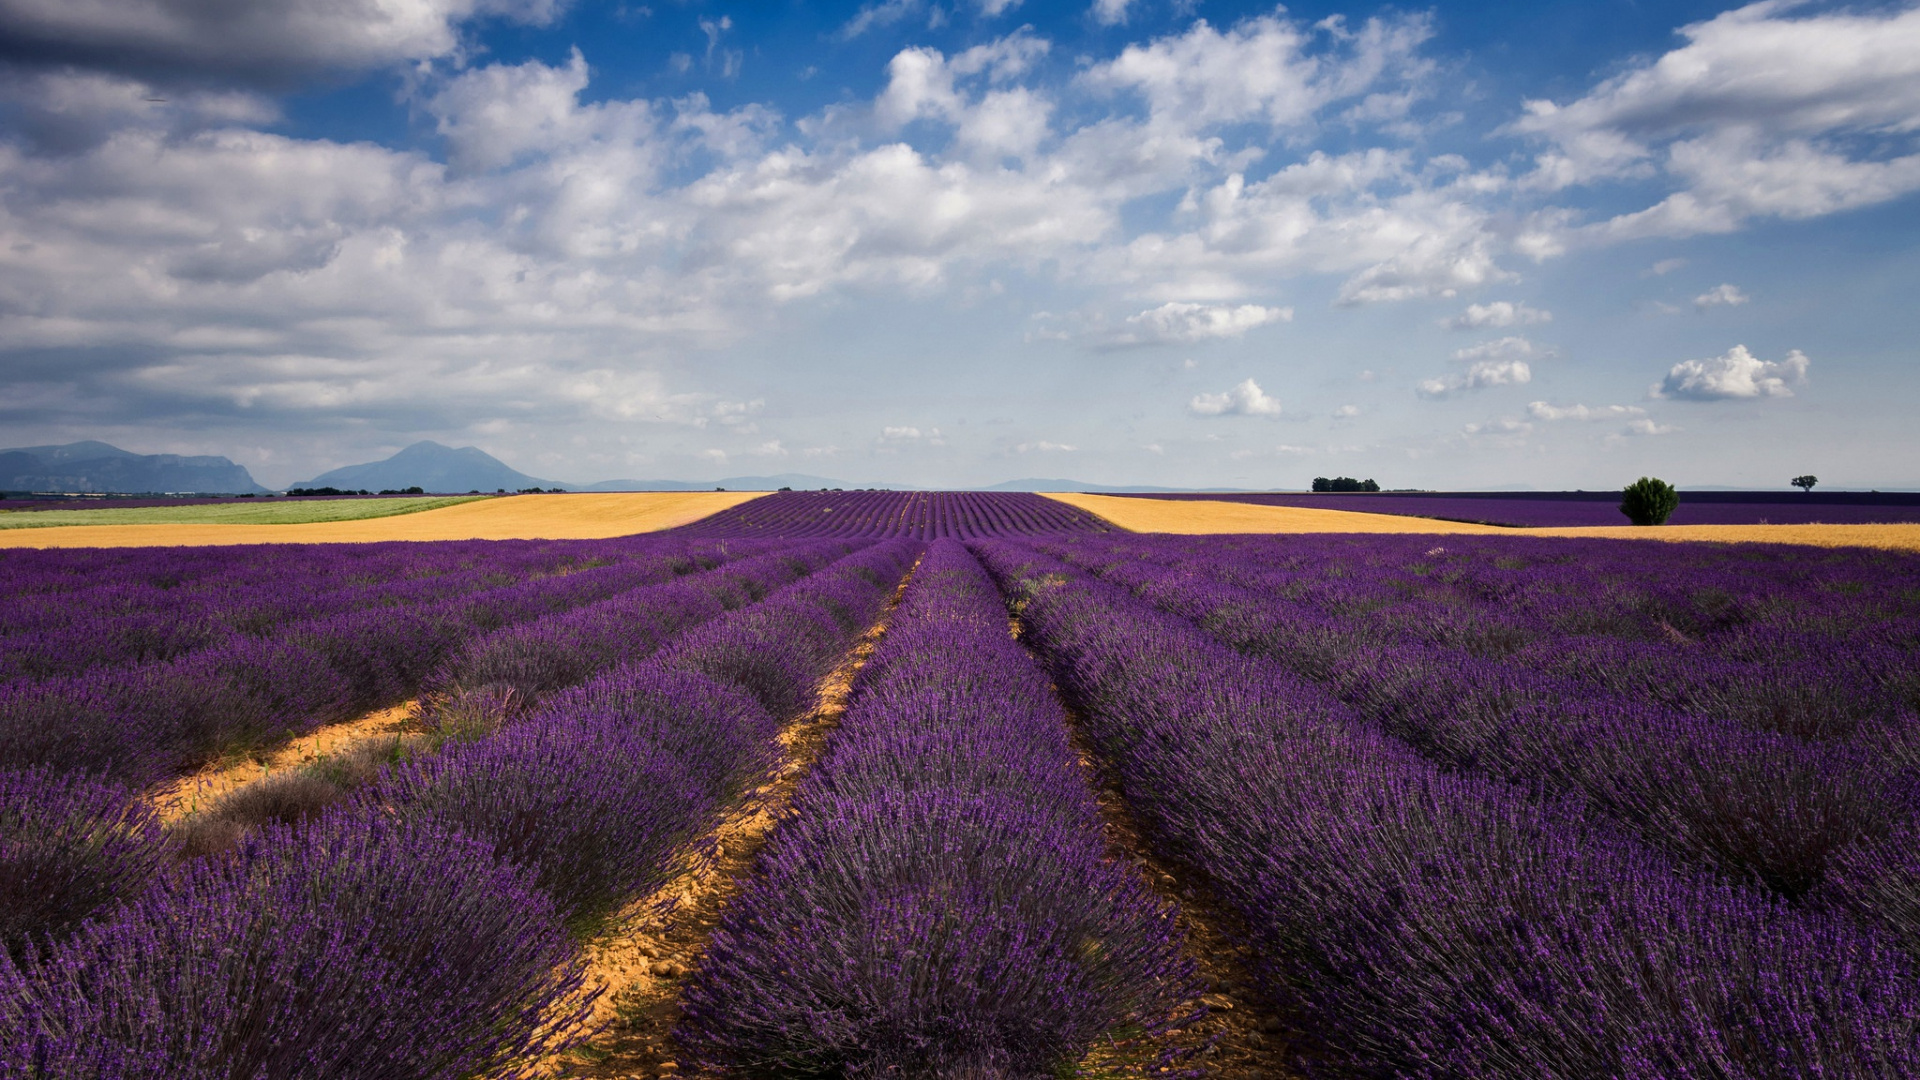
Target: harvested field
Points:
x,y
1199,517
520,517
233,512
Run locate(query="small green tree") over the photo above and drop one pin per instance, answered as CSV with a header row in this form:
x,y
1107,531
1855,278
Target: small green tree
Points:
x,y
1806,482
1649,501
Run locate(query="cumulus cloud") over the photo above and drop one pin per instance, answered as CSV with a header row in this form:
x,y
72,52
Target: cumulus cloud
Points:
x,y
270,42
1719,296
1759,114
1261,69
1734,375
1246,399
557,253
1498,314
1541,410
907,434
1505,426
1647,427
1177,322
1506,348
1044,447
1502,362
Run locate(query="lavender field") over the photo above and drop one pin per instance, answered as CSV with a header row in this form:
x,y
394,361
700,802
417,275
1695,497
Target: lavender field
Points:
x,y
1458,807
1550,509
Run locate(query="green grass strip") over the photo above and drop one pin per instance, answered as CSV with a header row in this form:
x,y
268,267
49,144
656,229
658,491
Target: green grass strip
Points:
x,y
238,512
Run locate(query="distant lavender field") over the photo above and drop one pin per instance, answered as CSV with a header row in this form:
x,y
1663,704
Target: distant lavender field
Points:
x,y
1551,508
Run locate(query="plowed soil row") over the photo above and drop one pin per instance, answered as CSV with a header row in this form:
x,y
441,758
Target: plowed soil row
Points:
x,y
178,798
1234,1036
657,940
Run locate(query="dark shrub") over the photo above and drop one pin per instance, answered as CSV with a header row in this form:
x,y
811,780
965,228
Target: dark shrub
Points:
x,y
1649,501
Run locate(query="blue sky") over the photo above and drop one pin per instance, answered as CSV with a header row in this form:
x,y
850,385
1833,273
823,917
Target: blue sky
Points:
x,y
1554,245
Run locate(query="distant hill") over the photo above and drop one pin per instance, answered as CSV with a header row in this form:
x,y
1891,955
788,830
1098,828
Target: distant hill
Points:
x,y
432,467
1034,484
797,481
98,468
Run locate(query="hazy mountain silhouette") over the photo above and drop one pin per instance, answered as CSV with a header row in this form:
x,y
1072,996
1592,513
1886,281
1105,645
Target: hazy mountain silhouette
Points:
x,y
96,467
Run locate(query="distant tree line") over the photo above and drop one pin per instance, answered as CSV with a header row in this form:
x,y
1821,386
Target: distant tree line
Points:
x,y
1344,483
415,490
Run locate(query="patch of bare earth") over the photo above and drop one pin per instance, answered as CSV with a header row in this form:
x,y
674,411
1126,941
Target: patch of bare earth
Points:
x,y
654,942
1235,1035
178,798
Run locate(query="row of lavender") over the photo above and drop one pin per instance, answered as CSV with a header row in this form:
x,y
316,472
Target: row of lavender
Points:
x,y
938,901
77,841
1806,642
916,515
1433,923
1578,509
141,722
1752,801
66,612
422,931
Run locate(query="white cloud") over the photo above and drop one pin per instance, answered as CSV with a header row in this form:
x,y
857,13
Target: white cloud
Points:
x,y
1258,70
1759,115
1506,348
1246,399
885,13
1185,323
1735,374
1501,362
896,436
1647,427
1720,296
1499,313
1044,447
1664,267
1505,426
1109,12
1346,412
1540,410
993,9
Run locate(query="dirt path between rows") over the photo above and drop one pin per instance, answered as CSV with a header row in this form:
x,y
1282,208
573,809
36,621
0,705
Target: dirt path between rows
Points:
x,y
178,798
1238,1038
659,939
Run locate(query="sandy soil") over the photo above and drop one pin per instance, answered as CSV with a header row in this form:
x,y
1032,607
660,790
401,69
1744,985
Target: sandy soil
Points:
x,y
181,797
1200,517
1235,1037
521,517
658,940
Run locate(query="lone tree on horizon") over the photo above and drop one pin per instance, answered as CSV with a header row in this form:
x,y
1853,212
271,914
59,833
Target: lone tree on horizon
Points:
x,y
1806,482
1648,501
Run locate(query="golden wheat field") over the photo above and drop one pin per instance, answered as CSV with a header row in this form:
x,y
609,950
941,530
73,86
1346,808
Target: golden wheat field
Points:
x,y
1198,517
521,517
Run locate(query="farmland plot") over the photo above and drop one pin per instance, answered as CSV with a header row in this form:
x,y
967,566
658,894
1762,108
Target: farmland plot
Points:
x,y
435,912
1478,807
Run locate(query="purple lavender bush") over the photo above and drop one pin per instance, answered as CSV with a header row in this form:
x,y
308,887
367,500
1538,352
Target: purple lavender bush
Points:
x,y
359,948
1754,804
1431,924
778,649
594,794
938,901
533,659
69,844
